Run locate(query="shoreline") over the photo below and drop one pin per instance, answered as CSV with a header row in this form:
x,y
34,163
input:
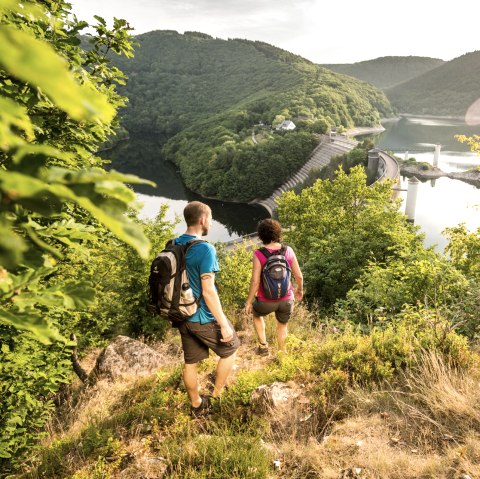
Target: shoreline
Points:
x,y
364,130
430,117
471,177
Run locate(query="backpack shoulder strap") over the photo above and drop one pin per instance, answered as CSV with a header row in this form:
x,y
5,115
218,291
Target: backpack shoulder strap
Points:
x,y
265,252
192,242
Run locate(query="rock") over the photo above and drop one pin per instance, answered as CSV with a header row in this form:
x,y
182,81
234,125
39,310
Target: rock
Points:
x,y
276,396
352,473
126,356
470,176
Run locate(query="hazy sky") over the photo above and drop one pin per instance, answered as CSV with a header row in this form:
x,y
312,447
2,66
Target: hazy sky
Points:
x,y
324,32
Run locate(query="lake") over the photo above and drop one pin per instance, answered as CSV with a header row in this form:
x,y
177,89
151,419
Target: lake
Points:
x,y
440,203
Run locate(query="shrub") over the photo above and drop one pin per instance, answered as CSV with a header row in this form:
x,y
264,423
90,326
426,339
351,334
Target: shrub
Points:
x,y
234,276
392,347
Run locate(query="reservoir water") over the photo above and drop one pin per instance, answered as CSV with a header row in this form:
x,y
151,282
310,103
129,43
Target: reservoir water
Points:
x,y
143,157
440,203
443,202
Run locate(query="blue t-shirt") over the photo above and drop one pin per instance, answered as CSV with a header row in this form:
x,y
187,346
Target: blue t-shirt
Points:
x,y
201,258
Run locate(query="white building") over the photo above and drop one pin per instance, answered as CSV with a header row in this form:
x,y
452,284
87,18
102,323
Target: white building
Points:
x,y
286,125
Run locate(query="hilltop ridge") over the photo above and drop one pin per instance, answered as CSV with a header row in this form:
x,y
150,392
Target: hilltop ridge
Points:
x,y
447,90
386,72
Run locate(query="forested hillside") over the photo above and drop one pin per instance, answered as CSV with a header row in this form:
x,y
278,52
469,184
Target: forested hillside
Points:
x,y
447,90
207,94
386,72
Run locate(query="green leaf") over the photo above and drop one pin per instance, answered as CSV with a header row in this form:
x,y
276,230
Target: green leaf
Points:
x,y
24,8
12,247
93,175
41,329
80,295
70,296
13,115
42,150
46,198
36,62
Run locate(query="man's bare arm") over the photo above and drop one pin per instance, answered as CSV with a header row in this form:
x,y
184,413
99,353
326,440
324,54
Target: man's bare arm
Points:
x,y
210,295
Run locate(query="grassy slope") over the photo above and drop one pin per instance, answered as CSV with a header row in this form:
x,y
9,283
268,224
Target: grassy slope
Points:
x,y
447,90
425,423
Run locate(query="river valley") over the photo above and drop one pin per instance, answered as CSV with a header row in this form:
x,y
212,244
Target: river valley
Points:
x,y
440,203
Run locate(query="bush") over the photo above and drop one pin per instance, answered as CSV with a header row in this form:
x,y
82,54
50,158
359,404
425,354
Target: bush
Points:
x,y
234,277
392,347
30,375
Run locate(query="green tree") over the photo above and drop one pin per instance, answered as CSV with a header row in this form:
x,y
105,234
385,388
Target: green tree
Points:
x,y
337,227
417,277
57,105
235,273
464,250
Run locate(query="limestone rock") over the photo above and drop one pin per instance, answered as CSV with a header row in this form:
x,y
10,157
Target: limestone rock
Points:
x,y
277,396
126,356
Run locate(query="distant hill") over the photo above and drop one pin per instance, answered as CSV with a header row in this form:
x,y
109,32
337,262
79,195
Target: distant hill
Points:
x,y
206,95
447,90
176,79
385,72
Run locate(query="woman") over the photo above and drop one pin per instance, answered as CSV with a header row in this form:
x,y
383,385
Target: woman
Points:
x,y
270,234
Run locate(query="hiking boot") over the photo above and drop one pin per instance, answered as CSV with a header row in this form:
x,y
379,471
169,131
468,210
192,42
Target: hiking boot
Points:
x,y
262,349
203,409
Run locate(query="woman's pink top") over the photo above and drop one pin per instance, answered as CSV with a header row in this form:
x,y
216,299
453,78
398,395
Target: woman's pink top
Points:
x,y
289,256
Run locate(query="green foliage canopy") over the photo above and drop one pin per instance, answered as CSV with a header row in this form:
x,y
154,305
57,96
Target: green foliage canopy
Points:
x,y
208,95
337,227
57,104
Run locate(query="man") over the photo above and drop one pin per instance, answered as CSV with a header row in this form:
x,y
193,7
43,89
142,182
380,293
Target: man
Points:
x,y
208,328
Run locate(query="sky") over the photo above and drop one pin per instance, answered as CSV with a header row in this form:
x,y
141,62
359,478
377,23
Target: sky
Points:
x,y
322,31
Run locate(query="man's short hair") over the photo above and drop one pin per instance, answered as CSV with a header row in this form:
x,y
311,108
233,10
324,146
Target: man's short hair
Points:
x,y
194,211
269,231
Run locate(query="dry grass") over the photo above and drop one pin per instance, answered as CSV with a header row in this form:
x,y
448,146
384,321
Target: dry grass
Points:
x,y
365,443
434,403
426,427
81,404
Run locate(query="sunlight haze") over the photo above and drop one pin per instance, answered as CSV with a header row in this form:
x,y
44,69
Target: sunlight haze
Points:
x,y
323,32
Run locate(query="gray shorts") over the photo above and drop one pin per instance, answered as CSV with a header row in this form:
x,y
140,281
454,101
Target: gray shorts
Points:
x,y
198,338
283,309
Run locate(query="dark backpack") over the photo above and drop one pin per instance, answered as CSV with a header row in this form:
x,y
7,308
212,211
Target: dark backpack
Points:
x,y
170,294
275,274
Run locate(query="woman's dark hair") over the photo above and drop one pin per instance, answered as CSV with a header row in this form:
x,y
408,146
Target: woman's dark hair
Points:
x,y
269,231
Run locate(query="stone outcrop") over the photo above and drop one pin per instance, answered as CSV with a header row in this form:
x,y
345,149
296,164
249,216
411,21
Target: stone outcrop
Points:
x,y
126,356
276,397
